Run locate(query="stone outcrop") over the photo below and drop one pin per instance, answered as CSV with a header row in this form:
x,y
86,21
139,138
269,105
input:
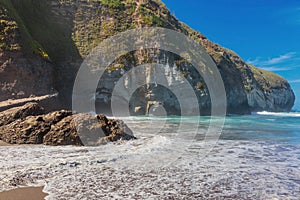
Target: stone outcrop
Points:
x,y
113,130
269,92
26,125
14,114
35,60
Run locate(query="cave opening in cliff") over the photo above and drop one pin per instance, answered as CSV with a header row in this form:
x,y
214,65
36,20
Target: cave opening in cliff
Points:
x,y
163,84
153,99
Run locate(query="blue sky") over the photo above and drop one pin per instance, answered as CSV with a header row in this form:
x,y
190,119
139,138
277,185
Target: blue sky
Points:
x,y
265,33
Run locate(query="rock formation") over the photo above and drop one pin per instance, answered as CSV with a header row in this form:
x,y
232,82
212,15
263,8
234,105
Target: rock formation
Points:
x,y
28,125
13,114
22,73
43,43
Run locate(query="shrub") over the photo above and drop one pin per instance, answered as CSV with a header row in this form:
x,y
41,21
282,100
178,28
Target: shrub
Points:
x,y
152,20
116,4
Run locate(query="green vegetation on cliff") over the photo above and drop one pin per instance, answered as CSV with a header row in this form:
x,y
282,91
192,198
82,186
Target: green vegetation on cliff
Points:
x,y
9,12
113,4
65,31
8,34
268,80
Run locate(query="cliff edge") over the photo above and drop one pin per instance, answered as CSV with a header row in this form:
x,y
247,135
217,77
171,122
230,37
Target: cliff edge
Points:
x,y
43,43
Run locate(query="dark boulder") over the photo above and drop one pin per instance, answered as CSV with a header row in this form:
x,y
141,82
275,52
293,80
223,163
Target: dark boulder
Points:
x,y
25,126
13,114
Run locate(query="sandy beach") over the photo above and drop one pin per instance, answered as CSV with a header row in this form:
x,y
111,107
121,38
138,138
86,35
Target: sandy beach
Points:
x,y
29,193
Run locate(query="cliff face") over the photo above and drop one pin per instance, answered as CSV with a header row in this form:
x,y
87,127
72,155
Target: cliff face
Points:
x,y
61,33
21,73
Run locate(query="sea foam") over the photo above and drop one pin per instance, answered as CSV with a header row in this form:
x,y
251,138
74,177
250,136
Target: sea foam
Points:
x,y
279,114
157,166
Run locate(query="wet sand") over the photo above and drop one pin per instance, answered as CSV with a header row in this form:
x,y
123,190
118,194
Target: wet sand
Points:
x,y
29,193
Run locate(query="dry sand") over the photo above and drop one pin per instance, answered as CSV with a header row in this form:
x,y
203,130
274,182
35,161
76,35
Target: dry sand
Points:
x,y
29,193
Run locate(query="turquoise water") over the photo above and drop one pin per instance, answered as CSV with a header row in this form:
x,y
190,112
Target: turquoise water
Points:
x,y
262,126
255,157
272,127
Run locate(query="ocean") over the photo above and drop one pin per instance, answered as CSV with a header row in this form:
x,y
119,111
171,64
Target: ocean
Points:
x,y
252,157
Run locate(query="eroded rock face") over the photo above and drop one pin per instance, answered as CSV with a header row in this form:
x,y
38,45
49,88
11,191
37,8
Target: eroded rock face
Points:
x,y
13,114
22,73
113,130
63,133
269,92
74,28
58,128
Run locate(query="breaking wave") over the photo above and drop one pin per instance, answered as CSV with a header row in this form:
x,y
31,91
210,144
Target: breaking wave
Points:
x,y
279,114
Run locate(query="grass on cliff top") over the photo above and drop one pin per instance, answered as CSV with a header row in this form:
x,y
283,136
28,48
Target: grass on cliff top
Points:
x,y
267,79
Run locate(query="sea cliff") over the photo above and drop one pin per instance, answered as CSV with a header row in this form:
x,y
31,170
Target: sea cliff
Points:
x,y
43,43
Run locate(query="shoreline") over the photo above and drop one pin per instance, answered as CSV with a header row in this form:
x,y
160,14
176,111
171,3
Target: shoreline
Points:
x,y
24,193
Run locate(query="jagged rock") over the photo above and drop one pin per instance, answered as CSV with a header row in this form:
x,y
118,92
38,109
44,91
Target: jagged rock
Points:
x,y
114,130
63,133
32,129
13,114
58,128
28,131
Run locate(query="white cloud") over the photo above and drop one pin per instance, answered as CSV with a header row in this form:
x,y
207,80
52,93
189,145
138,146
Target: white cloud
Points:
x,y
295,81
274,69
275,64
279,59
256,61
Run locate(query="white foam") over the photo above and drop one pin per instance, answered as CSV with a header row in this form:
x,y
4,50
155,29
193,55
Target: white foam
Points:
x,y
232,169
290,114
155,167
